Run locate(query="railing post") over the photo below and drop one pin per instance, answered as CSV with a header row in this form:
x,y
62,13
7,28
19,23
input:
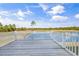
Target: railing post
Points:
x,y
78,50
62,39
15,33
70,39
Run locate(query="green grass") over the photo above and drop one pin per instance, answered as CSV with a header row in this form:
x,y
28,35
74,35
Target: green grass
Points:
x,y
7,37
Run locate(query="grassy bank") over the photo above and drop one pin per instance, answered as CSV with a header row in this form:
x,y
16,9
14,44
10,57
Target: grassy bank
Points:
x,y
7,37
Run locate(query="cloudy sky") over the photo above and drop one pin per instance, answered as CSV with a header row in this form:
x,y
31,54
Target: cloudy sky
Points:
x,y
44,14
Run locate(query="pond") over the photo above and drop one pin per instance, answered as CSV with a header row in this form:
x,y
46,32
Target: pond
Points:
x,y
66,36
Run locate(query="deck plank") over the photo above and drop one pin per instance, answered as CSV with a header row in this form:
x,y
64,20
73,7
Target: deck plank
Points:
x,y
37,44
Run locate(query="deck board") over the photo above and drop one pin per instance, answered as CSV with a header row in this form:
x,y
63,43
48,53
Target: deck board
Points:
x,y
37,44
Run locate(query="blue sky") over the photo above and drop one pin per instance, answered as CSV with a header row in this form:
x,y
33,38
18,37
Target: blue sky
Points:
x,y
44,14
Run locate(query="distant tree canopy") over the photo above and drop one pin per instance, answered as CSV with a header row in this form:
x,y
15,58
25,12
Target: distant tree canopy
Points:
x,y
7,28
33,23
0,24
12,27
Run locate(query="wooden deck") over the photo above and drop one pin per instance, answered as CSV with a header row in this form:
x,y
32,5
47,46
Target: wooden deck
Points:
x,y
37,44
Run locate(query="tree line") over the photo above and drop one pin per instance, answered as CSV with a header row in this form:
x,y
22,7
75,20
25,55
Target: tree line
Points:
x,y
12,27
60,28
7,28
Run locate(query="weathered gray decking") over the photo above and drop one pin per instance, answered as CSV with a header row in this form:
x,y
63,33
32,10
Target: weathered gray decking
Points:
x,y
37,44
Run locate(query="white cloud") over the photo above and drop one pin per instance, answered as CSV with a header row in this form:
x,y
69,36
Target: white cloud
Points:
x,y
28,12
20,13
42,24
43,6
5,13
7,21
17,14
39,24
0,17
77,16
57,9
20,18
24,23
58,17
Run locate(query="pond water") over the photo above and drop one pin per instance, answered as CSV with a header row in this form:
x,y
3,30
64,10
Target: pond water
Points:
x,y
66,36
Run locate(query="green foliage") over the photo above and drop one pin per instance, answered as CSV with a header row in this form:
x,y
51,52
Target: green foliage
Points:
x,y
67,28
7,28
20,29
12,27
33,23
0,24
60,28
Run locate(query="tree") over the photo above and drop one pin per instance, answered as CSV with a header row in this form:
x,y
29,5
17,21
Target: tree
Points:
x,y
33,23
6,28
1,27
13,27
1,24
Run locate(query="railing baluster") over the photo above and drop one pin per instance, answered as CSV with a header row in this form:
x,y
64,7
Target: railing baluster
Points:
x,y
69,40
73,49
78,50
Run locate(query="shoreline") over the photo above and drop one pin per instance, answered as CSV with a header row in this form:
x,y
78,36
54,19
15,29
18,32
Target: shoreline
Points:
x,y
66,30
46,31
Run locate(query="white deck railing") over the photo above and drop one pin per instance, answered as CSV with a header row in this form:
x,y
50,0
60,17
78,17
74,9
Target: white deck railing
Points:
x,y
69,40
